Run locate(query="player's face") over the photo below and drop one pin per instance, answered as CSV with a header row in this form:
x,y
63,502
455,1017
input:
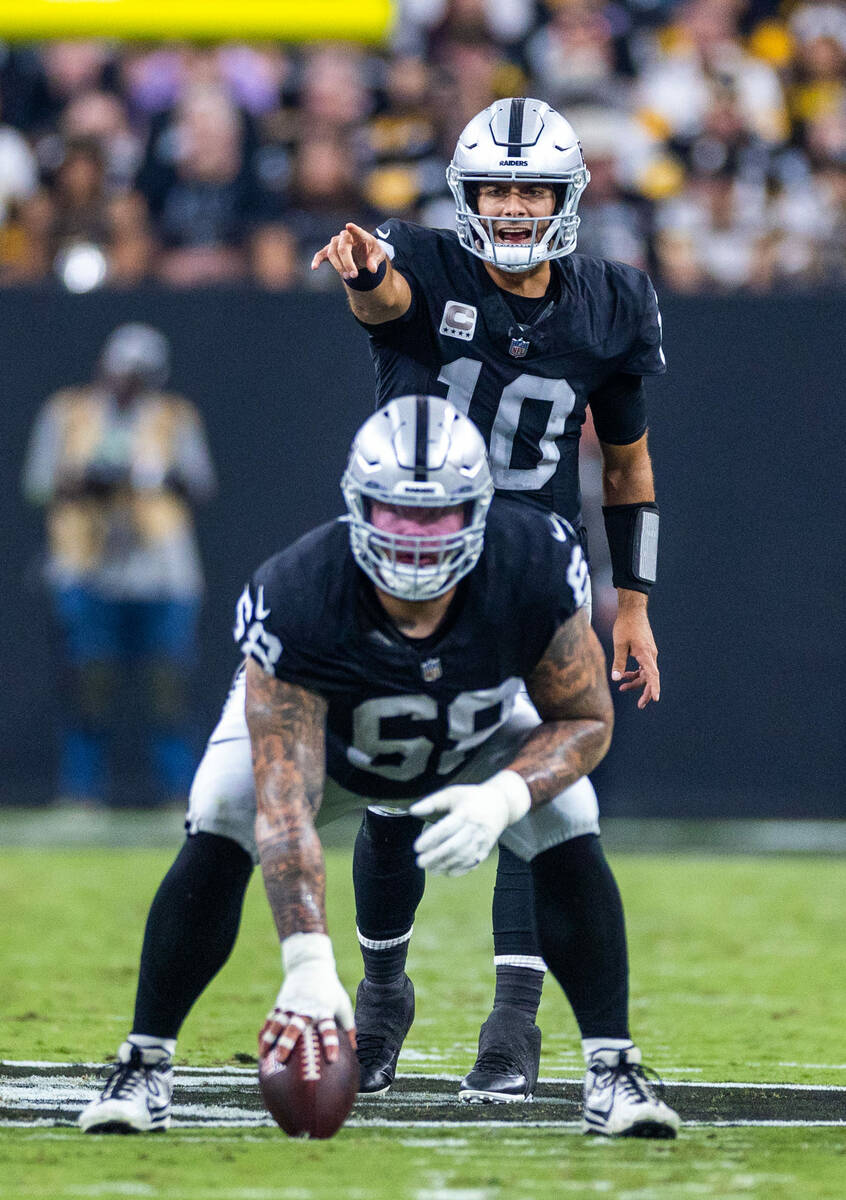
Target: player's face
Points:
x,y
412,522
517,202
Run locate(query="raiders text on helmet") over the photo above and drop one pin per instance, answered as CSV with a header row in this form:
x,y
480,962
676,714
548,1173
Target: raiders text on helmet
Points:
x,y
525,141
417,452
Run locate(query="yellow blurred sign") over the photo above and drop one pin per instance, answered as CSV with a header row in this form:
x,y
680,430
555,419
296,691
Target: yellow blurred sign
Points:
x,y
239,20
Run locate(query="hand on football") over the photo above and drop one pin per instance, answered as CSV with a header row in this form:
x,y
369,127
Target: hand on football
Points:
x,y
312,993
476,816
282,1030
351,250
633,638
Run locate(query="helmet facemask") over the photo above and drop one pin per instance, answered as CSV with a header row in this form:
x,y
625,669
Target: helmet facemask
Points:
x,y
518,141
478,234
415,566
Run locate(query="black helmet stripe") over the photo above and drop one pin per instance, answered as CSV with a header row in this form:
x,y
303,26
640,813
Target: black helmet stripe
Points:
x,y
421,440
515,128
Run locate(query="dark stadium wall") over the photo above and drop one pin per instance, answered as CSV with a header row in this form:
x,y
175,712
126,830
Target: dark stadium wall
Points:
x,y
749,610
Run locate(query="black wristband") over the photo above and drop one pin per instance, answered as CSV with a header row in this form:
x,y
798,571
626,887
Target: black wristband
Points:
x,y
632,531
366,281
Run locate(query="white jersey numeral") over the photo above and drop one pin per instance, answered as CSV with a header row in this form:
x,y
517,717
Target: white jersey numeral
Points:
x,y
371,740
461,377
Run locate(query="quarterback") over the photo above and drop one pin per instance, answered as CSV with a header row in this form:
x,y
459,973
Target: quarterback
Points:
x,y
521,334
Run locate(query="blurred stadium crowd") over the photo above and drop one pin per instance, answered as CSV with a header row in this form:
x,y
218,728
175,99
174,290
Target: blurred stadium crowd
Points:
x,y
715,132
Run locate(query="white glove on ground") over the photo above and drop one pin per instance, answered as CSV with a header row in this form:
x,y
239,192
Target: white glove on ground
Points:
x,y
477,815
311,992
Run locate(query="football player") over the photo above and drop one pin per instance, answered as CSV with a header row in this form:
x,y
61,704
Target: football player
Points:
x,y
520,334
386,655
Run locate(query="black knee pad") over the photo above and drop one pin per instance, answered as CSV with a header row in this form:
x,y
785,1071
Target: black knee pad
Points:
x,y
389,834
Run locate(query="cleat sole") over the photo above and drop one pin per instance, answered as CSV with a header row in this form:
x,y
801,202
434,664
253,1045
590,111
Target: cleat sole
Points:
x,y
471,1097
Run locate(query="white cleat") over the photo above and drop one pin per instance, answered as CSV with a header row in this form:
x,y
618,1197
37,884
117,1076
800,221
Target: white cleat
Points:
x,y
136,1098
621,1102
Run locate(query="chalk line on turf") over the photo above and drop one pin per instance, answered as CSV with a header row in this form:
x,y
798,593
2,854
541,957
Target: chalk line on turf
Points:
x,y
52,1094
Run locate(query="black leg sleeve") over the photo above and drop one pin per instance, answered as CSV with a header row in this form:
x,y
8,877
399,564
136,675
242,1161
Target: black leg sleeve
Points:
x,y
190,932
388,883
513,909
582,933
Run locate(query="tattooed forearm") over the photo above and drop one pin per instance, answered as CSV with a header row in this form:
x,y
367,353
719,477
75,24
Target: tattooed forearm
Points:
x,y
286,726
569,689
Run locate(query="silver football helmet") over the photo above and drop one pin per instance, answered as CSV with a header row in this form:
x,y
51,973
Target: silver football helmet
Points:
x,y
417,452
526,141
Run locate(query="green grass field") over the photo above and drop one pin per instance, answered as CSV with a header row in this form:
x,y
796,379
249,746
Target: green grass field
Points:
x,y
737,975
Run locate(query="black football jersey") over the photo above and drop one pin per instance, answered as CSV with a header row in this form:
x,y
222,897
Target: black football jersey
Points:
x,y
527,394
405,714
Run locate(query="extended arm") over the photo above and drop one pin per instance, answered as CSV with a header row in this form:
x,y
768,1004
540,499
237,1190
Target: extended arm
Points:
x,y
360,260
571,695
286,732
627,479
286,726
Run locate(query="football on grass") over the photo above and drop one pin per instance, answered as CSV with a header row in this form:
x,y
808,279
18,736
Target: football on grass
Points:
x,y
307,1096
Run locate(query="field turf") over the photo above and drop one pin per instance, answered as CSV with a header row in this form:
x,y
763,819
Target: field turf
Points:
x,y
736,977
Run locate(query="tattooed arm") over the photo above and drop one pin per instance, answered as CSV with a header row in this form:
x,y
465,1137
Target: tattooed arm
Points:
x,y
570,692
286,726
571,695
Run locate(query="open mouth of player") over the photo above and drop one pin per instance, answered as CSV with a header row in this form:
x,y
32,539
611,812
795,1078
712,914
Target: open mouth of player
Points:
x,y
514,235
410,558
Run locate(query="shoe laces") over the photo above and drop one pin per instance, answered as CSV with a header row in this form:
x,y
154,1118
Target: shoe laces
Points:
x,y
370,1047
127,1079
638,1083
497,1062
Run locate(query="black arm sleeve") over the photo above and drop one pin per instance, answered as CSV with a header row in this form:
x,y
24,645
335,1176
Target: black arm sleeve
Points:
x,y
619,409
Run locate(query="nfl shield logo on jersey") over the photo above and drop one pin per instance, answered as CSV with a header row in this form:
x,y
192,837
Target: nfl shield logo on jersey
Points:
x,y
431,669
519,347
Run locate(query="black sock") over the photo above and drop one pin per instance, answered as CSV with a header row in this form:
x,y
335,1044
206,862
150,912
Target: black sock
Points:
x,y
582,933
388,888
517,956
190,932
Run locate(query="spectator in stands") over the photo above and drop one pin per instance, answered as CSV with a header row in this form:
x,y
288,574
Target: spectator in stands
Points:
x,y
18,181
752,91
201,192
117,465
699,51
400,146
274,262
101,117
574,57
324,194
76,230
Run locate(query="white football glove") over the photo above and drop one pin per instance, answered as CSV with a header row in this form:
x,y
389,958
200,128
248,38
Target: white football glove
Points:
x,y
311,992
477,815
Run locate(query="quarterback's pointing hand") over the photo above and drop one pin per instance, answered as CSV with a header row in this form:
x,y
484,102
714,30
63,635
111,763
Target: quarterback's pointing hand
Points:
x,y
476,816
350,251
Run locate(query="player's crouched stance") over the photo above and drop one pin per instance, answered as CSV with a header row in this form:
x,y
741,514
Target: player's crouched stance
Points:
x,y
386,661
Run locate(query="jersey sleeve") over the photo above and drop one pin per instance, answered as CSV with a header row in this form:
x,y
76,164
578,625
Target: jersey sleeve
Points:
x,y
619,409
269,630
549,587
646,355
